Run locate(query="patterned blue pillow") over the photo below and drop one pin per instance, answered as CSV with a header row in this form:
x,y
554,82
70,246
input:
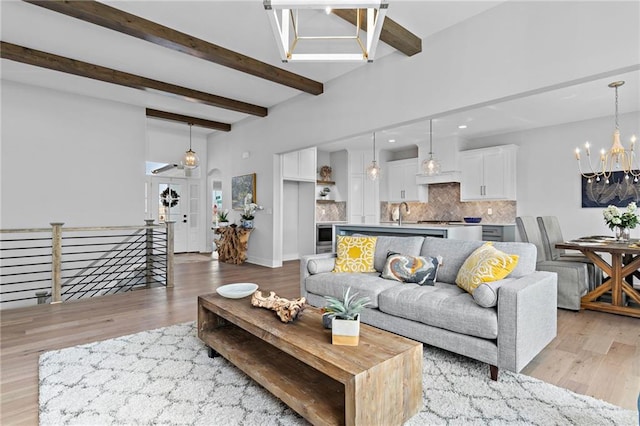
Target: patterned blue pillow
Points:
x,y
411,269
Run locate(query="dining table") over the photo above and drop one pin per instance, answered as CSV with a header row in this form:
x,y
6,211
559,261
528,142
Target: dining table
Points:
x,y
625,264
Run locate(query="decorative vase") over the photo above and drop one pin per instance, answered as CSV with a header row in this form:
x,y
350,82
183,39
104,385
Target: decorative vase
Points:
x,y
345,332
623,234
327,319
223,224
247,223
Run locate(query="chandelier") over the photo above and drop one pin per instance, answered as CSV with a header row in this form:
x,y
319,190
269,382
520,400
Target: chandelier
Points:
x,y
617,158
289,30
190,159
431,167
373,170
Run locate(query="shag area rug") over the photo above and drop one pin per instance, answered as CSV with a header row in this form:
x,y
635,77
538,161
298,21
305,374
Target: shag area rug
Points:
x,y
164,377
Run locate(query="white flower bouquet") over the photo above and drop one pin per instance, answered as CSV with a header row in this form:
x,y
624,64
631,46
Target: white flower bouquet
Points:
x,y
614,217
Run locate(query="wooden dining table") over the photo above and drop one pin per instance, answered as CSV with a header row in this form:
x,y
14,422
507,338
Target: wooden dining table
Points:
x,y
625,264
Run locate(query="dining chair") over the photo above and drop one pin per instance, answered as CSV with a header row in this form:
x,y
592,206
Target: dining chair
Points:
x,y
551,235
573,277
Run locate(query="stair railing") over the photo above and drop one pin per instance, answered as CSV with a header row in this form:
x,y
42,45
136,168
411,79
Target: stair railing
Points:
x,y
59,263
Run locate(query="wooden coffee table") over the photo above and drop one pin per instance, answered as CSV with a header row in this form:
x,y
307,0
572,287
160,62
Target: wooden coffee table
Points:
x,y
378,382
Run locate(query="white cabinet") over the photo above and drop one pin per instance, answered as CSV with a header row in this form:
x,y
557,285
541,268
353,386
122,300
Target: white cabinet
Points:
x,y
362,201
299,165
401,181
488,173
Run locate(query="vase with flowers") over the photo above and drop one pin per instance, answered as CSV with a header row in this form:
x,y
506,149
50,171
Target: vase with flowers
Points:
x,y
621,221
248,211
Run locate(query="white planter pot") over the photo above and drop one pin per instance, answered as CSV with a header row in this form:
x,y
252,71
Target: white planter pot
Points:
x,y
345,332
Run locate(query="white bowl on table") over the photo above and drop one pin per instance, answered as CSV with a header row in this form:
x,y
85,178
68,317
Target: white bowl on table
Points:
x,y
237,290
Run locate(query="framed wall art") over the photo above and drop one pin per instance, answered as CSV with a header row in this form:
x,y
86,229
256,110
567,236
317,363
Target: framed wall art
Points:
x,y
618,192
240,187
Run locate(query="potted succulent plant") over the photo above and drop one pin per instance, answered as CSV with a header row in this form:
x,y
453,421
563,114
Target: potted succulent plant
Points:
x,y
345,317
223,219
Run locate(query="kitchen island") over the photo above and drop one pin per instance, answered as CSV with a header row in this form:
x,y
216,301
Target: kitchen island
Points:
x,y
453,231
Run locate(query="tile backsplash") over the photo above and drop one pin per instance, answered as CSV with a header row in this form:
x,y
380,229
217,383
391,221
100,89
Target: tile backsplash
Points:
x,y
444,204
331,212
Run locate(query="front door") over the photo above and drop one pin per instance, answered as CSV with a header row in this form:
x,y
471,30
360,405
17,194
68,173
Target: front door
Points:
x,y
178,200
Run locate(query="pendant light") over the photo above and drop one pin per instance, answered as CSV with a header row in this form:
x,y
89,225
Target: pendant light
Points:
x,y
431,167
373,170
190,160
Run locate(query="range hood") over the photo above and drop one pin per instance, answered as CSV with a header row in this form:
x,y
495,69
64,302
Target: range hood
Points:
x,y
442,177
446,152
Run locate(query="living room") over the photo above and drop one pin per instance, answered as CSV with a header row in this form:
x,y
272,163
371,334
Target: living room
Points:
x,y
73,149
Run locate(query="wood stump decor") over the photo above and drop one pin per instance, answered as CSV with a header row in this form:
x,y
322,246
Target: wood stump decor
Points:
x,y
287,310
232,245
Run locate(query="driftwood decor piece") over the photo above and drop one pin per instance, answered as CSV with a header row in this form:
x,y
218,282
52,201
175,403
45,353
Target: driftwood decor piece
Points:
x,y
232,245
287,310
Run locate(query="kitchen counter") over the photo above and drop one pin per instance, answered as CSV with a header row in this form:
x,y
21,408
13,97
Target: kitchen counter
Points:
x,y
457,231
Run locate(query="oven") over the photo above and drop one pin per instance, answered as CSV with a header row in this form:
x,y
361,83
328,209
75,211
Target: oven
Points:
x,y
324,237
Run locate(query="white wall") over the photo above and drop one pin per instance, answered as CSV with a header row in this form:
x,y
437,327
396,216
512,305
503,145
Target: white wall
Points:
x,y
69,158
512,50
548,178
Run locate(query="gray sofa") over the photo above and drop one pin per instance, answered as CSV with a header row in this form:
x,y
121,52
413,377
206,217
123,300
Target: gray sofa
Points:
x,y
505,323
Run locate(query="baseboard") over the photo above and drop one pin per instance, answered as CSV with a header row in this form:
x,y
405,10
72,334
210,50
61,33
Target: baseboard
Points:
x,y
292,256
262,261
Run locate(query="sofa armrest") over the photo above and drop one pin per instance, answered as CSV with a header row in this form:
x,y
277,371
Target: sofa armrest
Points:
x,y
527,318
304,268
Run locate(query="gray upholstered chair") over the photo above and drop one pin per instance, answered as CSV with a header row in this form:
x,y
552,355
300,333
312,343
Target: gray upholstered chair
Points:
x,y
573,277
551,235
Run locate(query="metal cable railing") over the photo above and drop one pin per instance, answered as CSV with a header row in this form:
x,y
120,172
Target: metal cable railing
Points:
x,y
58,264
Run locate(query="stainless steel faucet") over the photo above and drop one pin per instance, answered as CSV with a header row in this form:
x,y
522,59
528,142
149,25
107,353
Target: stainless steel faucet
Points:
x,y
406,207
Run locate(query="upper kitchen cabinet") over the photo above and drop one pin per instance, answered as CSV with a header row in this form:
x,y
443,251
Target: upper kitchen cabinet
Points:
x,y
400,177
299,165
488,173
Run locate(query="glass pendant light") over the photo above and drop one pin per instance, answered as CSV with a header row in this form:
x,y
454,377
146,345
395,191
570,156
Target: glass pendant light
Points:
x,y
430,167
190,160
373,170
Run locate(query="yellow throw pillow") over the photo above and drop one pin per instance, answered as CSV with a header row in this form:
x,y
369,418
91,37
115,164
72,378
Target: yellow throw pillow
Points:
x,y
485,264
355,254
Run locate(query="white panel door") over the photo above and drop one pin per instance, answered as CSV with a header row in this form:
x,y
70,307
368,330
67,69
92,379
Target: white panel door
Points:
x,y
177,200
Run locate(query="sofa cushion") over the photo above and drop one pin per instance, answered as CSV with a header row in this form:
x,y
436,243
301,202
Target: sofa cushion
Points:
x,y
443,305
318,266
334,284
404,245
486,294
411,269
355,254
455,252
485,264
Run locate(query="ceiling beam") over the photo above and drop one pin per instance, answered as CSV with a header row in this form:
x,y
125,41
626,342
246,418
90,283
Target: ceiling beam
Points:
x,y
118,20
215,125
394,34
97,72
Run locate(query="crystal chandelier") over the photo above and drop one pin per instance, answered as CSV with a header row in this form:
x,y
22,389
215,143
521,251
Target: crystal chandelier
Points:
x,y
616,159
373,170
190,160
431,167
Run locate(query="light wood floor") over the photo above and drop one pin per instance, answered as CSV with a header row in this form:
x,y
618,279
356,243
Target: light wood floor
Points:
x,y
595,353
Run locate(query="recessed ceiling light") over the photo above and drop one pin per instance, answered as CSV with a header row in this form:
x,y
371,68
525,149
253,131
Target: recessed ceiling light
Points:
x,y
392,141
462,126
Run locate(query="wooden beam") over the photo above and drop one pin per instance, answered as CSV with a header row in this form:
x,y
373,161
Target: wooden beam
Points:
x,y
394,34
97,72
118,20
216,125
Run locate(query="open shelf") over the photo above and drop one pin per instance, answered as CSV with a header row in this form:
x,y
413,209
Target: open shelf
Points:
x,y
325,182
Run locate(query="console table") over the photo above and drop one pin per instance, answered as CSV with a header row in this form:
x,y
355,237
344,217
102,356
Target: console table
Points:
x,y
232,245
